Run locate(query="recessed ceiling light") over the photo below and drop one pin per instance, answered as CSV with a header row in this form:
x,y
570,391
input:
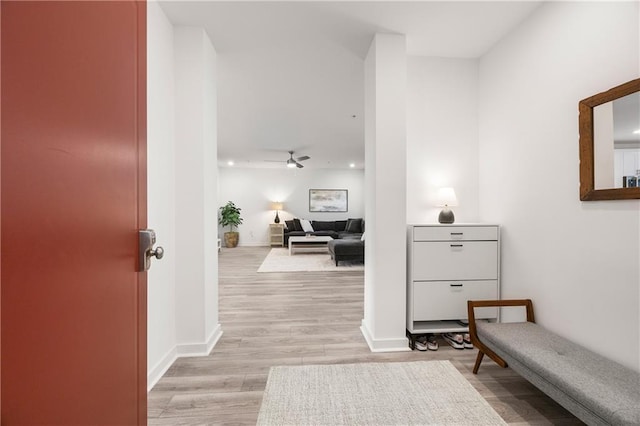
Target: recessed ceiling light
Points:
x,y
352,165
636,132
230,163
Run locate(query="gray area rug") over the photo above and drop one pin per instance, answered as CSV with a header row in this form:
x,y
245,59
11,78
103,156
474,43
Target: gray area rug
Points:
x,y
405,393
278,260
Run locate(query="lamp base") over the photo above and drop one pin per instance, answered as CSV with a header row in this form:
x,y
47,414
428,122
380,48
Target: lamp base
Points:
x,y
446,216
277,219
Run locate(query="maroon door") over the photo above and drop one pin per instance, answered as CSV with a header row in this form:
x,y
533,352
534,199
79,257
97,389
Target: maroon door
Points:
x,y
73,195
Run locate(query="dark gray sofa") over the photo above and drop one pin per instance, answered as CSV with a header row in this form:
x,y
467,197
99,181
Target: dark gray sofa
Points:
x,y
337,229
595,389
347,248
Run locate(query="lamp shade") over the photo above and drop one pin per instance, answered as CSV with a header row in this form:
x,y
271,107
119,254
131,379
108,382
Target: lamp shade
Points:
x,y
276,206
446,197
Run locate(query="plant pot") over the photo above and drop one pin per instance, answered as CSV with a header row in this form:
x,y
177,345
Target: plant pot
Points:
x,y
231,239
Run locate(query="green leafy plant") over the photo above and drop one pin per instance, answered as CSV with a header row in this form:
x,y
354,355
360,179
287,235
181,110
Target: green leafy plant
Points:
x,y
230,216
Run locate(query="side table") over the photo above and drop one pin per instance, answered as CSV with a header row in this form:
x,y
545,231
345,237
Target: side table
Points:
x,y
276,234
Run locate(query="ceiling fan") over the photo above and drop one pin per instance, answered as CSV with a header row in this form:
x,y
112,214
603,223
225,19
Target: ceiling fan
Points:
x,y
293,162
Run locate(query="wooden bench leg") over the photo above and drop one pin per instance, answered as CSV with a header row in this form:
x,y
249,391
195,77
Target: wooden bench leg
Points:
x,y
478,361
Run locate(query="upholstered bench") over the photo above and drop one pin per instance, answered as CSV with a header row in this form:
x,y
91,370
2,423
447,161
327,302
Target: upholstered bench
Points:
x,y
346,249
595,389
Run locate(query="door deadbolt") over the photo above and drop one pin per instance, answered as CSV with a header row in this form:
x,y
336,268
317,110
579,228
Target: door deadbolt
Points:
x,y
146,240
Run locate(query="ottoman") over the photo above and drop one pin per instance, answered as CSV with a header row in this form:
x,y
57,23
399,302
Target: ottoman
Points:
x,y
346,249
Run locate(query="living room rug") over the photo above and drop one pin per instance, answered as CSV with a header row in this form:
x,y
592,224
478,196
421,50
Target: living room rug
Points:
x,y
278,260
408,393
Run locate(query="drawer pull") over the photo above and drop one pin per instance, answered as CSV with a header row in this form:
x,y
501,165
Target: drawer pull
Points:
x,y
457,233
456,245
455,285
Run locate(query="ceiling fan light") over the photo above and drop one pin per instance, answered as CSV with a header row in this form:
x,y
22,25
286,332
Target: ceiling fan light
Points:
x,y
291,164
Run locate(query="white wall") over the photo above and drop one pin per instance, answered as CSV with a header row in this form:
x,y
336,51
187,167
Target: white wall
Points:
x,y
253,190
384,322
578,261
182,192
442,136
210,190
197,328
161,315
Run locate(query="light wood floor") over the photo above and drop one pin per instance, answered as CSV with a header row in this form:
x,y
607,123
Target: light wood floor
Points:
x,y
305,318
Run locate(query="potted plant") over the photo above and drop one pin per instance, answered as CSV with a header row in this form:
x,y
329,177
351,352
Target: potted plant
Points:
x,y
230,216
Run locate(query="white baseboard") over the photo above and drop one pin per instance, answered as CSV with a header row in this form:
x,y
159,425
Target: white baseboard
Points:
x,y
255,244
155,373
384,345
200,349
182,351
214,338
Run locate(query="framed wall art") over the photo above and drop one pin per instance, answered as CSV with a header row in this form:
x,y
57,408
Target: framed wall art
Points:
x,y
328,200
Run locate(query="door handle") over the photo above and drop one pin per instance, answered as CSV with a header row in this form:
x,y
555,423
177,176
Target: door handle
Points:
x,y
146,240
158,252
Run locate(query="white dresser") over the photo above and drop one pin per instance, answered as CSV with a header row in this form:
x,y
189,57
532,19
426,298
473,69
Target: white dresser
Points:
x,y
446,266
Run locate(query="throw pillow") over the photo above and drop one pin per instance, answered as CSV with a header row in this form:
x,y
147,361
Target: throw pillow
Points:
x,y
306,225
322,226
296,225
362,238
340,225
354,225
290,225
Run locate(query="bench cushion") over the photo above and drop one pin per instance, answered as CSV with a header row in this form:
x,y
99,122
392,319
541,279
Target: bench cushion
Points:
x,y
602,387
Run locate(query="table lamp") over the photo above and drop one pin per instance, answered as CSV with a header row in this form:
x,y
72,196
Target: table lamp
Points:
x,y
446,198
276,206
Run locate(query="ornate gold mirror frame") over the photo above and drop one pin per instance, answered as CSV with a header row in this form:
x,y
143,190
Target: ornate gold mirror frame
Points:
x,y
585,121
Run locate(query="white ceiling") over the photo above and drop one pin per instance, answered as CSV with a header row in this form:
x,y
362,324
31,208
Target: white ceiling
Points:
x,y
291,75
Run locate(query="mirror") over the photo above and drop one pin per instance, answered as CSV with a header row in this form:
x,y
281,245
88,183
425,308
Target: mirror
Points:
x,y
616,143
609,125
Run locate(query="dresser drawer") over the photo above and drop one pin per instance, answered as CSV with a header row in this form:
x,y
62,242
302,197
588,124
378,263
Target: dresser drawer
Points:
x,y
447,300
455,260
448,233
